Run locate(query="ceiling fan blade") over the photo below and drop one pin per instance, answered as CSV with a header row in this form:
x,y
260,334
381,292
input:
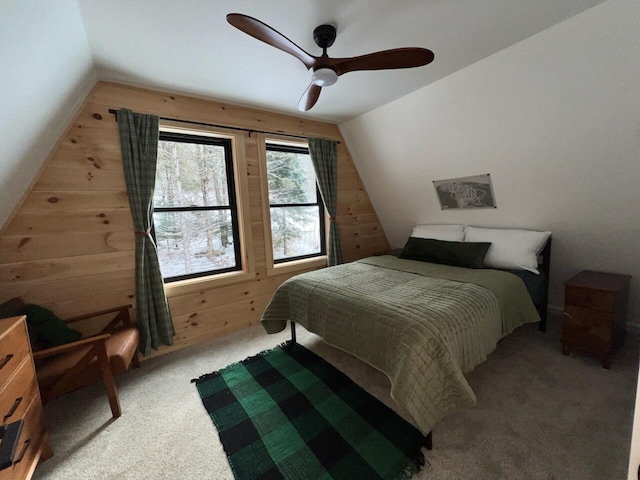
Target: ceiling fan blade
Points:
x,y
309,97
268,35
386,59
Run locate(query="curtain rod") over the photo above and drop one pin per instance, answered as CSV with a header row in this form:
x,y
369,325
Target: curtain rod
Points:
x,y
249,130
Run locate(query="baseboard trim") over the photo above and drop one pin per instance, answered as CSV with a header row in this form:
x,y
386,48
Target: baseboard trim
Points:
x,y
554,309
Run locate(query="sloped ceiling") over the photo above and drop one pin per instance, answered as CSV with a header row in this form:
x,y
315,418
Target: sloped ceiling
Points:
x,y
53,52
47,71
188,46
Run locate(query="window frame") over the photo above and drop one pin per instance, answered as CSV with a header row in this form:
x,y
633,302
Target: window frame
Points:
x,y
227,144
276,146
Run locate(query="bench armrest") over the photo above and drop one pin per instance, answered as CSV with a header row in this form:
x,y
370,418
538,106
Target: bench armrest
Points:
x,y
67,347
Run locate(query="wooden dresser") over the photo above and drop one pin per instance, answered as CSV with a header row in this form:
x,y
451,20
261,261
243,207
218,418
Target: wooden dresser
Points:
x,y
595,305
20,401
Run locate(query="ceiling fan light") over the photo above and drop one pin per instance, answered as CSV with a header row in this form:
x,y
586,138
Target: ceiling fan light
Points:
x,y
324,77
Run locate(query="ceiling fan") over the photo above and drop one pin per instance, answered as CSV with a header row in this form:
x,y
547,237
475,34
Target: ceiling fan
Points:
x,y
326,70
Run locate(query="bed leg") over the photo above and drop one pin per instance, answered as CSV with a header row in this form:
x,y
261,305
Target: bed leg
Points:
x,y
542,324
428,441
293,332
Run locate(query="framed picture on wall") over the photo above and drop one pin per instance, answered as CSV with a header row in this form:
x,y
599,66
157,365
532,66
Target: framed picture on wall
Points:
x,y
465,192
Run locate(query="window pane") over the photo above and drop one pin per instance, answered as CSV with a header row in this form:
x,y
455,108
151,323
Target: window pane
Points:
x,y
291,178
295,231
193,242
190,174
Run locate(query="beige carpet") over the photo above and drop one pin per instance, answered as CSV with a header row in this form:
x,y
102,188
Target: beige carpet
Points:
x,y
539,415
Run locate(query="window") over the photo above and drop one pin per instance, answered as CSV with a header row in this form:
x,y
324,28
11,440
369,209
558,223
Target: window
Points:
x,y
297,211
195,215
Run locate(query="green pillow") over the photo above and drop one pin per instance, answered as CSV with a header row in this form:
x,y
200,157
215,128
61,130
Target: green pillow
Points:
x,y
46,329
457,254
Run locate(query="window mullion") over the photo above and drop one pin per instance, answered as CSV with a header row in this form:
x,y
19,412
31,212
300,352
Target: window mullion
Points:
x,y
286,205
192,208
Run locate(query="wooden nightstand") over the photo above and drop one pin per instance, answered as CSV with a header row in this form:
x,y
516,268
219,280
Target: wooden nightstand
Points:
x,y
595,306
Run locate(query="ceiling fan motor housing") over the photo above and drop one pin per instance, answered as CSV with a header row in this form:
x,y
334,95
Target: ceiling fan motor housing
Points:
x,y
324,36
324,77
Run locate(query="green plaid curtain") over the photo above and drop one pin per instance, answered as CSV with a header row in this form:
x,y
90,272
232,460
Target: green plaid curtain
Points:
x,y
139,144
324,156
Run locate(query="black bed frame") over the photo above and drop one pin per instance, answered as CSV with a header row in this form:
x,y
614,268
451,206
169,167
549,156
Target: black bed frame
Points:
x,y
545,269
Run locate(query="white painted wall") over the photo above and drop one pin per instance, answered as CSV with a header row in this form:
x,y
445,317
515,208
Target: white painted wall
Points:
x,y
47,71
555,119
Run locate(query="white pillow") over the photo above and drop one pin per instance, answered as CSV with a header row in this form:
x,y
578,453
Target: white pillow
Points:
x,y
510,249
449,233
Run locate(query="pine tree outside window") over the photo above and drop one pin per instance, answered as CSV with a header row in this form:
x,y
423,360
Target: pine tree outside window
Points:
x,y
195,213
296,208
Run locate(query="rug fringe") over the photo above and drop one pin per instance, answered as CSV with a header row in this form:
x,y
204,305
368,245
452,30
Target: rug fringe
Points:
x,y
414,467
284,346
206,376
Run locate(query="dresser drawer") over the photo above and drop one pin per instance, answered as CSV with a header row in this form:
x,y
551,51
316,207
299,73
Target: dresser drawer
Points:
x,y
18,393
13,350
586,297
28,445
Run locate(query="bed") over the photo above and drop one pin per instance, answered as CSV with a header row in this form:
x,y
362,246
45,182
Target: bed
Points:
x,y
423,324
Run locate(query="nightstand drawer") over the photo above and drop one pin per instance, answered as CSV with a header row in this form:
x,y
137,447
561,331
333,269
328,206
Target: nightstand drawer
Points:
x,y
588,317
592,328
586,297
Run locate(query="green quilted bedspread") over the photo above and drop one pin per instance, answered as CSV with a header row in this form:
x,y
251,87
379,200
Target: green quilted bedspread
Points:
x,y
424,325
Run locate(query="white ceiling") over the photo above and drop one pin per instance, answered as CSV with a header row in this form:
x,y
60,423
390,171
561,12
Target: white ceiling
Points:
x,y
188,47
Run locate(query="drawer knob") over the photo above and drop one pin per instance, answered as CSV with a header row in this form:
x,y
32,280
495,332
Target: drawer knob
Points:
x,y
16,404
5,360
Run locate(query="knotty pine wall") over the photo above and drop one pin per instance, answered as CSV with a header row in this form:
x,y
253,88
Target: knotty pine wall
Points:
x,y
70,244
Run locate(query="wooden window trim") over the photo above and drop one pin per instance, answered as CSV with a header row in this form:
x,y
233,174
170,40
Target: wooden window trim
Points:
x,y
244,253
297,264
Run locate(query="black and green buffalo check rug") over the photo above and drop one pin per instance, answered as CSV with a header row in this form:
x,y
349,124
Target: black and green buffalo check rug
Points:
x,y
288,414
